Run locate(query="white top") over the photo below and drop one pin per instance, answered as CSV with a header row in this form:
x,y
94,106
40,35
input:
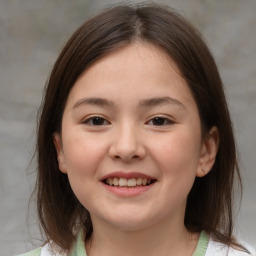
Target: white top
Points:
x,y
206,247
218,249
213,249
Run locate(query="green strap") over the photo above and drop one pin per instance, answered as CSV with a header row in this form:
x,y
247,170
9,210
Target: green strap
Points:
x,y
202,245
79,248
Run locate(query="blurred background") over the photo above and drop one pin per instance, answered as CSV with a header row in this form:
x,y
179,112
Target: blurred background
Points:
x,y
31,36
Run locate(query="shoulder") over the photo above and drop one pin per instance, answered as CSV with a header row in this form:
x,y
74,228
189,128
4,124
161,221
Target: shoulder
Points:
x,y
35,252
51,249
219,249
46,250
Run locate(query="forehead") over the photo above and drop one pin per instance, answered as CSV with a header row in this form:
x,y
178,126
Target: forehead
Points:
x,y
139,69
139,55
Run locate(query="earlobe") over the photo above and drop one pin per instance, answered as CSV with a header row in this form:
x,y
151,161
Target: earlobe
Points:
x,y
59,149
209,151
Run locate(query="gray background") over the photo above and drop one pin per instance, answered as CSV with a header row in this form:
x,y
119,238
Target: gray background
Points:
x,y
33,32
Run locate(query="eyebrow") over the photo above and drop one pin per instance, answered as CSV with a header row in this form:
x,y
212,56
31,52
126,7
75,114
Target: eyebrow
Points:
x,y
151,102
93,101
160,101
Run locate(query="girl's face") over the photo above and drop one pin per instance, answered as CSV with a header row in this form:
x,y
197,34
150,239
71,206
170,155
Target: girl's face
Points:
x,y
131,139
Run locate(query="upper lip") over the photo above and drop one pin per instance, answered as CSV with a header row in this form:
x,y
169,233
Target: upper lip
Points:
x,y
127,175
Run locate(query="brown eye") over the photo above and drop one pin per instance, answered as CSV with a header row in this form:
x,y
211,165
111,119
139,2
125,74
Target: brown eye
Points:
x,y
96,121
160,121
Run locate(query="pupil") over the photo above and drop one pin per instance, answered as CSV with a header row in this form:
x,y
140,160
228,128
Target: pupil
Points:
x,y
98,121
158,121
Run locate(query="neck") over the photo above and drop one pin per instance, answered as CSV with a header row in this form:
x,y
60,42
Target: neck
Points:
x,y
162,239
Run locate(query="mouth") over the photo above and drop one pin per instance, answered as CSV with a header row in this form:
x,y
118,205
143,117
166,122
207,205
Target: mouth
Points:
x,y
128,183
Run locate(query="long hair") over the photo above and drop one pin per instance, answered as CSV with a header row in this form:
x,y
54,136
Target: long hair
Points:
x,y
209,204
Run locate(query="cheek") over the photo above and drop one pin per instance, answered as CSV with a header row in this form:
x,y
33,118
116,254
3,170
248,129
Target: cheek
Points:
x,y
83,154
178,154
83,157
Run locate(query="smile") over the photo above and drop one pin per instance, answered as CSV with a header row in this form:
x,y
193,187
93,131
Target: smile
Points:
x,y
131,182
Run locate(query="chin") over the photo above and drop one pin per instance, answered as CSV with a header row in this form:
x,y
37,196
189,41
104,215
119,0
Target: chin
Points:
x,y
131,221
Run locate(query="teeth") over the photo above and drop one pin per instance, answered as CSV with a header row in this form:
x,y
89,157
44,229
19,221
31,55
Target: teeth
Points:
x,y
123,182
115,182
139,181
144,181
133,182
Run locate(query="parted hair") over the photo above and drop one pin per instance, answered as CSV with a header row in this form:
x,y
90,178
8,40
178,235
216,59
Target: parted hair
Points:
x,y
210,202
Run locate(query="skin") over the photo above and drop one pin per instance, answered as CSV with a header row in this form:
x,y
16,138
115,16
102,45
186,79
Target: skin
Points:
x,y
120,133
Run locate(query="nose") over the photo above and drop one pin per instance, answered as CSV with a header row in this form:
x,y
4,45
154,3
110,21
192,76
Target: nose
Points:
x,y
127,144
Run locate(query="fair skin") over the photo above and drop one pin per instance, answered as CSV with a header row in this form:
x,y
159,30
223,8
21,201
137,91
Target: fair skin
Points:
x,y
129,117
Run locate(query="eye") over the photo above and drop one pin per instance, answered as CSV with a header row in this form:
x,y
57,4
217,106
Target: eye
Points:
x,y
96,121
160,121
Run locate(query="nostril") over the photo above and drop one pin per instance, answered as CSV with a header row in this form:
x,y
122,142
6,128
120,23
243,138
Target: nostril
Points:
x,y
126,157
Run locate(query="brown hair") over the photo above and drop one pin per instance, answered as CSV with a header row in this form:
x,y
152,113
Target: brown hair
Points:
x,y
209,204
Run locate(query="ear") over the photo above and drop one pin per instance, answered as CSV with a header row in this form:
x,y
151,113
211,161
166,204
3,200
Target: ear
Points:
x,y
209,150
60,154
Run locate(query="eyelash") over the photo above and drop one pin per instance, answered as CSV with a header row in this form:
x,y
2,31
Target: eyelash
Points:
x,y
161,121
100,121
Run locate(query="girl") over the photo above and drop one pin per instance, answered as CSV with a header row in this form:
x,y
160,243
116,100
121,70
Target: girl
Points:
x,y
136,153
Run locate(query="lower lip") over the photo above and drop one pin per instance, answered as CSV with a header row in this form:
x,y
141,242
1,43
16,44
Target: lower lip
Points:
x,y
128,192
